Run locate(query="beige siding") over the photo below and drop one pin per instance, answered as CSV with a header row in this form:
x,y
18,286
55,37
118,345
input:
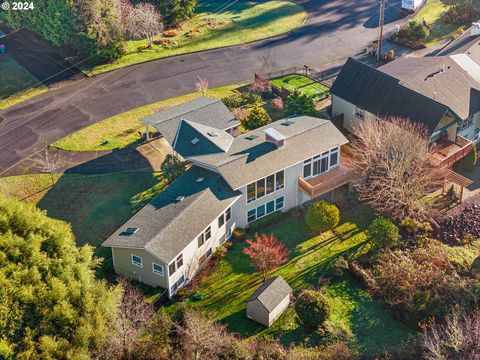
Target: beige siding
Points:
x,y
123,265
340,106
257,312
275,314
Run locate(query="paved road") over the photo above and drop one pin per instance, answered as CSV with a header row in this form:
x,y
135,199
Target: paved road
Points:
x,y
334,30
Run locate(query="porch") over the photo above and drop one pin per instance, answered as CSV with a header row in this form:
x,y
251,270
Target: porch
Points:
x,y
446,153
345,173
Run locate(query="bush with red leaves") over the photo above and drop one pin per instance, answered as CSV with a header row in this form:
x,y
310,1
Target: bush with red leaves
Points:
x,y
465,224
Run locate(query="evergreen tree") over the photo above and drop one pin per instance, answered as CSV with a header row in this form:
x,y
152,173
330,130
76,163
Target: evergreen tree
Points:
x,y
175,11
256,118
299,104
51,305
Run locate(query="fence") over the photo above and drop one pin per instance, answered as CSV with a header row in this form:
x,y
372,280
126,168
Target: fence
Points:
x,y
326,77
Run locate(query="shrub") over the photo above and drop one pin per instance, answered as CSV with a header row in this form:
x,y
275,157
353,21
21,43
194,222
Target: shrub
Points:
x,y
475,268
239,234
172,167
299,104
278,104
469,162
170,33
233,101
332,332
322,216
251,98
241,113
166,43
312,308
413,228
454,229
257,117
339,266
383,232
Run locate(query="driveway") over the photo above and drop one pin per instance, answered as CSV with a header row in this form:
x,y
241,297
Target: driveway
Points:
x,y
334,30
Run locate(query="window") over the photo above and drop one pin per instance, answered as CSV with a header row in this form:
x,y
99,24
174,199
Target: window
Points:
x,y
251,215
359,113
466,123
221,221
201,240
181,281
137,261
208,233
307,168
324,165
260,211
222,239
321,163
279,203
172,268
260,188
209,252
251,192
270,207
270,184
228,214
179,261
157,269
280,180
334,158
228,234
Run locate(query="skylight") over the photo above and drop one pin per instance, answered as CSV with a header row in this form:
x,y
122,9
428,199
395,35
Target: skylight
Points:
x,y
194,141
212,134
180,198
288,123
251,137
130,231
200,179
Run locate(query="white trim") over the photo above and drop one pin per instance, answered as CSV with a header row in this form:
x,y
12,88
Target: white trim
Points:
x,y
113,257
162,273
266,194
140,265
176,133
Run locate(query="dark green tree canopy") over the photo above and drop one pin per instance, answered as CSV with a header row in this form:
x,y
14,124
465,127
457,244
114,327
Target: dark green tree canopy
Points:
x,y
299,104
51,305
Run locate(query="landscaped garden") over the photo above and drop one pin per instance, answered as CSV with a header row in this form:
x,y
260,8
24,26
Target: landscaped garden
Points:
x,y
216,24
311,259
303,84
16,83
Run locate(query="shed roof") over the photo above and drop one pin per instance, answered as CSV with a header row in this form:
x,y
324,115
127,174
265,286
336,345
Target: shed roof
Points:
x,y
271,293
175,217
202,110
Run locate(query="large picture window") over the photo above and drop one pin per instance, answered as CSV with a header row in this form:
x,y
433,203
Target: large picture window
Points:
x,y
265,209
320,164
258,189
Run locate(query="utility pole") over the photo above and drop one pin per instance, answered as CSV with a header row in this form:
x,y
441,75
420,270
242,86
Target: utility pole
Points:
x,y
381,22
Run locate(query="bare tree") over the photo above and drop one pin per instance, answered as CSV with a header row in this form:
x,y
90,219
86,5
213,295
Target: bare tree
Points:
x,y
49,162
129,326
201,85
459,338
142,21
393,154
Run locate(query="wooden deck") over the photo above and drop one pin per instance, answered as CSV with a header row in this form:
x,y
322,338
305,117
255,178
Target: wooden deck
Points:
x,y
447,153
329,181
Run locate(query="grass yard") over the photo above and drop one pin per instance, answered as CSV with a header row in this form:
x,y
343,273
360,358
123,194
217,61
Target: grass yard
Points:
x,y
303,84
122,130
95,205
217,25
432,14
16,83
227,289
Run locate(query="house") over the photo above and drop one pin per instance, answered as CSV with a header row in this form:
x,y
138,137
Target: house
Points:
x,y
435,91
269,301
232,182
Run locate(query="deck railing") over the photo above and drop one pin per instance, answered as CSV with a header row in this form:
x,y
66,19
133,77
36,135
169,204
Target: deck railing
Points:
x,y
465,147
315,188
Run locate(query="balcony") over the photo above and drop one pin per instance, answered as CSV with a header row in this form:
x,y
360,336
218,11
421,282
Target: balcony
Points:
x,y
446,153
333,179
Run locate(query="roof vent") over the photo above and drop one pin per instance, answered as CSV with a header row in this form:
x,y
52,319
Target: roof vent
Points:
x,y
199,180
212,134
475,29
194,141
130,231
275,137
180,198
288,123
251,137
434,96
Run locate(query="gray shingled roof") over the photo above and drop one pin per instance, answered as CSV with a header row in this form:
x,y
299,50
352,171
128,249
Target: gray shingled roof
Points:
x,y
251,157
208,139
452,87
271,293
465,44
166,225
384,96
203,110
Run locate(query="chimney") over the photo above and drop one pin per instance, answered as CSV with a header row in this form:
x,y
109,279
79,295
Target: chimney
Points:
x,y
475,29
275,137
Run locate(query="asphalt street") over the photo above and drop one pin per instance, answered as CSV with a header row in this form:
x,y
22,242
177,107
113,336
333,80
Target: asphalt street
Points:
x,y
334,30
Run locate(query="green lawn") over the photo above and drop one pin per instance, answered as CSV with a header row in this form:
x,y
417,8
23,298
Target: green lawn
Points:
x,y
234,281
219,26
303,84
16,83
122,130
95,205
439,30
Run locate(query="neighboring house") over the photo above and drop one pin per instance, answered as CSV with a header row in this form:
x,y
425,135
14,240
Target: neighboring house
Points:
x,y
269,301
434,91
232,182
411,5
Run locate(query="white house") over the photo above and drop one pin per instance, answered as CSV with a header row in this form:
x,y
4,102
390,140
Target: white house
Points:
x,y
411,5
232,182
